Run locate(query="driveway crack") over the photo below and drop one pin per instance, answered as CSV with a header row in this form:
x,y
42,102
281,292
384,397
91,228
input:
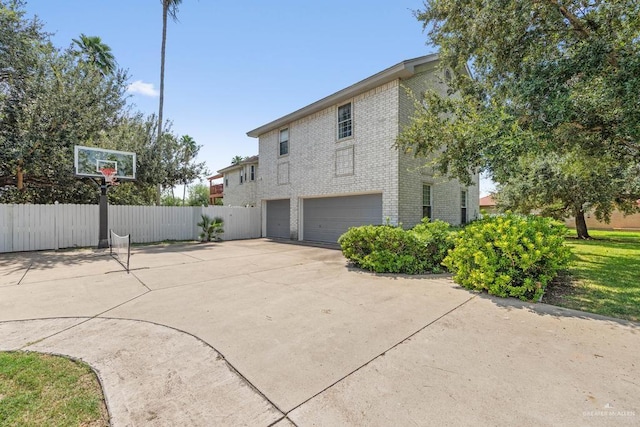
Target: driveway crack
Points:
x,y
382,353
25,273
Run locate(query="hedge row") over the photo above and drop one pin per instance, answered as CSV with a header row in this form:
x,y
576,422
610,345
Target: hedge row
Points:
x,y
506,255
390,249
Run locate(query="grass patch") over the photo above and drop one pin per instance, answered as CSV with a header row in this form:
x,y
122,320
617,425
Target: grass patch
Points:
x,y
604,276
43,390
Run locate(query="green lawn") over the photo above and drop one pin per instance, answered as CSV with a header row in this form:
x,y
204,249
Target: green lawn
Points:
x,y
604,275
42,390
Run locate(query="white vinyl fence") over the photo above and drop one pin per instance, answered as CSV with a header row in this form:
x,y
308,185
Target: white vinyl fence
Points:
x,y
38,227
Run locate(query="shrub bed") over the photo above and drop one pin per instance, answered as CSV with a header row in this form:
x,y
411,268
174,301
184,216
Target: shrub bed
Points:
x,y
389,249
509,255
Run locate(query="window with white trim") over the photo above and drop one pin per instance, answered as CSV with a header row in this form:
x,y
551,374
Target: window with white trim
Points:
x,y
284,142
345,124
463,207
243,176
252,173
426,201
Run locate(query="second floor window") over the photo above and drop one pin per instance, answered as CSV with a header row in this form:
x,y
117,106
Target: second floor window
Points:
x,y
242,176
252,173
345,128
284,142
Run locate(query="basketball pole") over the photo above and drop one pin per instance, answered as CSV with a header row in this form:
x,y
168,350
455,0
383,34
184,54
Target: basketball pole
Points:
x,y
103,241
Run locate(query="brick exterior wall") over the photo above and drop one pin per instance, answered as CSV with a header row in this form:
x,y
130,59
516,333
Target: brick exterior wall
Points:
x,y
236,194
320,165
414,172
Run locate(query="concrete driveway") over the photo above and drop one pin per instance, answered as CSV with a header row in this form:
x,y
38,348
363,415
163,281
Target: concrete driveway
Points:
x,y
262,333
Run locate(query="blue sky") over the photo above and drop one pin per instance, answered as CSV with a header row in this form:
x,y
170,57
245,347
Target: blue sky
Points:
x,y
232,66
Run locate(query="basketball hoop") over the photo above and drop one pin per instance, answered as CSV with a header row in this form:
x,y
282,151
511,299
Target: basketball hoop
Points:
x,y
109,175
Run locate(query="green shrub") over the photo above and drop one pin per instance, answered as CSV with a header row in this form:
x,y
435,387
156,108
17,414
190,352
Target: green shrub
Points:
x,y
509,255
211,229
389,249
437,238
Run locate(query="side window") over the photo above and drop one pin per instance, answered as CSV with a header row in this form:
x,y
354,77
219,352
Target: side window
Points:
x,y
242,175
426,201
345,124
252,172
463,207
284,142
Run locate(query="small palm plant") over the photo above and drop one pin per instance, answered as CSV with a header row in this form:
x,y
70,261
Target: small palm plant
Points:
x,y
211,228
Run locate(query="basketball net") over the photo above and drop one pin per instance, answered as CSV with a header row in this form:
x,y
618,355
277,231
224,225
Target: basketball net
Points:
x,y
109,175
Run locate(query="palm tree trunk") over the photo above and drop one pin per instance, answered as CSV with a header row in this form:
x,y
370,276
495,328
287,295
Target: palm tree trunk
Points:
x,y
165,10
184,192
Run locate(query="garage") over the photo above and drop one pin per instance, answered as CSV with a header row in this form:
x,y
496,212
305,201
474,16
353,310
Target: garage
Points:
x,y
278,218
325,219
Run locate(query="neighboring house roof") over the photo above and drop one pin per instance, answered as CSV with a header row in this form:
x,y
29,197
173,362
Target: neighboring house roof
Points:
x,y
247,161
218,176
487,201
402,70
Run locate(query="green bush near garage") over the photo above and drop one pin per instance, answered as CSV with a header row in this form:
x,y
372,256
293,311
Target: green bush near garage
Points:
x,y
391,249
509,255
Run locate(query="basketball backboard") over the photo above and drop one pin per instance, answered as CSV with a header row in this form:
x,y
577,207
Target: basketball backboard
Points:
x,y
89,161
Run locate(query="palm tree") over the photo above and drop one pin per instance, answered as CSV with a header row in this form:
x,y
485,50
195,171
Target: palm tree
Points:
x,y
169,8
236,160
96,53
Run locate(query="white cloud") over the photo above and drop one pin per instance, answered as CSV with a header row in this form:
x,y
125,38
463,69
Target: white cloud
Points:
x,y
143,88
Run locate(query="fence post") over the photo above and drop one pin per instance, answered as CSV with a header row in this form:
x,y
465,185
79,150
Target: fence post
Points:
x,y
56,225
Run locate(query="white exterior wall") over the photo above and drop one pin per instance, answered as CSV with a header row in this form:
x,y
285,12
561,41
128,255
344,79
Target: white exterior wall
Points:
x,y
236,194
414,172
314,148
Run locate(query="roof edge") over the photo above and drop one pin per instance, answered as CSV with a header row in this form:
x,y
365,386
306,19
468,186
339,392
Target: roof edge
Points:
x,y
248,161
401,70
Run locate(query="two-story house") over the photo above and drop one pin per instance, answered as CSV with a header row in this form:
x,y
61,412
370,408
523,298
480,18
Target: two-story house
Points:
x,y
239,183
332,164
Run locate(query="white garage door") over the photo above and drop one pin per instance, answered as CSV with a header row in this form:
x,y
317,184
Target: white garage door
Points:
x,y
278,219
325,219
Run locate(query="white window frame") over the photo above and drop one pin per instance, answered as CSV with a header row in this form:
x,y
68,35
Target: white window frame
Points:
x,y
243,176
348,122
430,205
252,173
280,141
464,202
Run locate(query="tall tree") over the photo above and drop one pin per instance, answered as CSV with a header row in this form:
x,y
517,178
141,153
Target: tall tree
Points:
x,y
169,9
95,53
555,184
48,104
24,49
550,79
